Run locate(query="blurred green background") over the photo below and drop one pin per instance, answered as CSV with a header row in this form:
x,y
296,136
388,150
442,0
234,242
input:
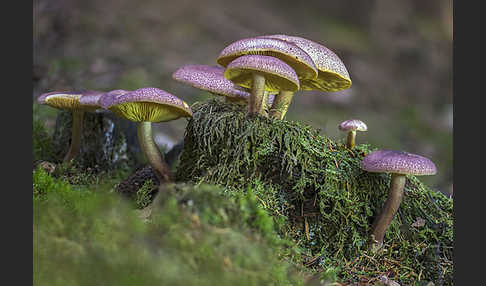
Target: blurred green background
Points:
x,y
398,54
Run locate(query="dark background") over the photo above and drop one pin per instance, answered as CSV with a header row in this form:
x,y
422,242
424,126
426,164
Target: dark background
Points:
x,y
398,54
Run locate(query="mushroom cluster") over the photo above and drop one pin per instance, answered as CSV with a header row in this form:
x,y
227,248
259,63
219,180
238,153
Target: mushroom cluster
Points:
x,y
143,106
264,72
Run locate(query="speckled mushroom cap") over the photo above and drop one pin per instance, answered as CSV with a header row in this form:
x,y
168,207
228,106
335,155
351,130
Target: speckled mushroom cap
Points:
x,y
209,78
61,99
332,74
278,75
86,100
353,125
90,100
399,162
108,97
149,104
291,54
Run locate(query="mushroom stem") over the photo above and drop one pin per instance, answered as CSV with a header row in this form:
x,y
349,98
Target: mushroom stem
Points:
x,y
257,94
351,140
76,132
264,107
152,152
390,208
281,104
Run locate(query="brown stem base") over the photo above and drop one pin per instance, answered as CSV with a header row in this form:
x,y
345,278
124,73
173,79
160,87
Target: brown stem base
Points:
x,y
390,208
152,152
76,133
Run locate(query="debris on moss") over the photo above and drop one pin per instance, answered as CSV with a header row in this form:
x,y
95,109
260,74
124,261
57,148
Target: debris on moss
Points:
x,y
129,187
319,196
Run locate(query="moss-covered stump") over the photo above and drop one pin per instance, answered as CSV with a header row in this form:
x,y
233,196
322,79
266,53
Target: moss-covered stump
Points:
x,y
103,142
319,196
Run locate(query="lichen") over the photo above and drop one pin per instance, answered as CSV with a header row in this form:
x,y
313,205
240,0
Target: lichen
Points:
x,y
318,195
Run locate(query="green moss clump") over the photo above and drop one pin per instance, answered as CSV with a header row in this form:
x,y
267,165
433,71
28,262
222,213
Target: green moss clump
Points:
x,y
143,196
318,195
195,235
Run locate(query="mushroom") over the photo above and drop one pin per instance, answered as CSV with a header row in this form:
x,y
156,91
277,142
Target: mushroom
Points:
x,y
288,52
211,79
399,164
261,73
107,98
291,54
351,126
78,103
332,74
144,106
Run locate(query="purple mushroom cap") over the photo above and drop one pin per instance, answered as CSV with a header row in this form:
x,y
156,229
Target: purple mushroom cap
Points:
x,y
149,104
41,99
288,52
353,125
107,98
278,75
209,78
86,100
332,73
398,162
90,99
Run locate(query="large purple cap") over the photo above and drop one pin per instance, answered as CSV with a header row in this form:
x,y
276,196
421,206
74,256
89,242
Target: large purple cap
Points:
x,y
107,98
209,78
288,52
353,125
390,161
278,75
149,104
333,75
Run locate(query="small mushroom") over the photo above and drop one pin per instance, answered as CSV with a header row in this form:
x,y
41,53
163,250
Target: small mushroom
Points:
x,y
144,106
78,103
261,73
399,164
351,126
211,79
332,74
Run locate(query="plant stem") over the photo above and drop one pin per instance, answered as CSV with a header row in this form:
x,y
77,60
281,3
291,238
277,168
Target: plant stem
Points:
x,y
390,208
76,133
152,152
281,104
351,140
256,96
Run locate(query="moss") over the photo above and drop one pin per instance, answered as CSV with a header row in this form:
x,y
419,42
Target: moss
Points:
x,y
143,196
41,142
318,195
194,235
